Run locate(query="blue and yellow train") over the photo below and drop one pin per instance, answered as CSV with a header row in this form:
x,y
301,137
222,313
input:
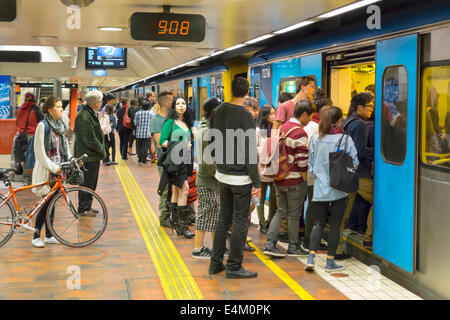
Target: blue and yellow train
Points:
x,y
408,62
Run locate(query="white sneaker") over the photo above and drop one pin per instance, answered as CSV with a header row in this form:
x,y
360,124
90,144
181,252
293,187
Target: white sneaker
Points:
x,y
38,243
51,240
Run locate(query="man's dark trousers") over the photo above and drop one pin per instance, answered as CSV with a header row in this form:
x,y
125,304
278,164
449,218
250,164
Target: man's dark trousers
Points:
x,y
234,209
90,181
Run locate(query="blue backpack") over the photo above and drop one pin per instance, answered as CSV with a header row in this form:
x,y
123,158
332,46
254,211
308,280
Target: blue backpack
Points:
x,y
30,158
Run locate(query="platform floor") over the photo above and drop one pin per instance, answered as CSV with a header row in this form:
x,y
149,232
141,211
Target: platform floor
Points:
x,y
138,259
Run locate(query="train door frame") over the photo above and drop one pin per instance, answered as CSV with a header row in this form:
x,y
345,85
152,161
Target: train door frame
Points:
x,y
398,53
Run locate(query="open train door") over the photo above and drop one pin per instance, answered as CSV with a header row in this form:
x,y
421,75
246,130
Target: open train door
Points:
x,y
395,151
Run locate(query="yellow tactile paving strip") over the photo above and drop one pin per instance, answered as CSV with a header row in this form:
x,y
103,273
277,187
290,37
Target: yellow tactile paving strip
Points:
x,y
176,280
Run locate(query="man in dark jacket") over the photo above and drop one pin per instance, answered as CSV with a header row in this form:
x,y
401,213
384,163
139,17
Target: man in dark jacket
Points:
x,y
89,140
236,176
361,108
30,108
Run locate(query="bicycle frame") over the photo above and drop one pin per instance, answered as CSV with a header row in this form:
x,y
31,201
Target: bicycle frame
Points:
x,y
59,185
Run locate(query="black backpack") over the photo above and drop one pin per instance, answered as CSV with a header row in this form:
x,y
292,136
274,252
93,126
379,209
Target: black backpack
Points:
x,y
21,142
343,175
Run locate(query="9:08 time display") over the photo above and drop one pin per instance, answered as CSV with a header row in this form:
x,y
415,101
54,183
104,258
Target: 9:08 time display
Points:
x,y
174,27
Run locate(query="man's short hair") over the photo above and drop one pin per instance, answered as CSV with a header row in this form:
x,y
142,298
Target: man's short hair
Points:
x,y
303,106
145,105
303,81
239,87
285,96
148,95
360,99
109,97
164,94
93,96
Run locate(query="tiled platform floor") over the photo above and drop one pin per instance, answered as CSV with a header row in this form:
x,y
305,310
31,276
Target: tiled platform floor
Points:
x,y
118,266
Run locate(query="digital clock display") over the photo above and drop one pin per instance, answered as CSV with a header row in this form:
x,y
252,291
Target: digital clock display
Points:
x,y
167,27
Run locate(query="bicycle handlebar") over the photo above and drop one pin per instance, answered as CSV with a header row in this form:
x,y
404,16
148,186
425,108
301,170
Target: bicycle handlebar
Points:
x,y
73,162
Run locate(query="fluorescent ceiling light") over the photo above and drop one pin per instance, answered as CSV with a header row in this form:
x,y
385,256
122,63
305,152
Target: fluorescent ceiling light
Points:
x,y
235,47
347,8
49,54
111,28
267,36
202,58
217,53
295,26
161,48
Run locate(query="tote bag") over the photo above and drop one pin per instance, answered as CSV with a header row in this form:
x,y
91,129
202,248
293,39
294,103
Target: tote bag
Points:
x,y
343,175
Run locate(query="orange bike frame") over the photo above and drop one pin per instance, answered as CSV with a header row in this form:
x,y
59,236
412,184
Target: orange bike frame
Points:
x,y
12,194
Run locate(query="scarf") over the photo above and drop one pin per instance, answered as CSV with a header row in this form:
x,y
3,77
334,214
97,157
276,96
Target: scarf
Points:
x,y
59,128
336,130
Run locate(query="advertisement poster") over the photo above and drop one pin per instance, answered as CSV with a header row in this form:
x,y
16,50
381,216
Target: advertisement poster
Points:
x,y
5,97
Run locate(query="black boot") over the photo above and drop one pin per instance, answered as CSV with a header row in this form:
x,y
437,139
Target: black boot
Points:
x,y
183,212
174,218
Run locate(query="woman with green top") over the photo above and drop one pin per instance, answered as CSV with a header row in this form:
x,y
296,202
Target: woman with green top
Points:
x,y
179,127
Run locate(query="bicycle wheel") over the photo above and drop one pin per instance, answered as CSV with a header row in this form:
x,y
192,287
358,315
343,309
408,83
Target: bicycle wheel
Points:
x,y
7,215
71,228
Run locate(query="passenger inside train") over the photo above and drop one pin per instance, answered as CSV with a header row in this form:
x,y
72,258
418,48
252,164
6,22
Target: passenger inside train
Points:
x,y
184,155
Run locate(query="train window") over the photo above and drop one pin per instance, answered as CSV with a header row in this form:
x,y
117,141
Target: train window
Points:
x,y
394,114
349,80
435,108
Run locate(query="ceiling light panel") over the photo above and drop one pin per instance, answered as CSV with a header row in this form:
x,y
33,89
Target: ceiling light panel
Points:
x,y
235,47
295,26
267,36
348,8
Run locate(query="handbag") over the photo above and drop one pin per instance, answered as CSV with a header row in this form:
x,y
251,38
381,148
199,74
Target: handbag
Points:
x,y
164,152
343,175
126,121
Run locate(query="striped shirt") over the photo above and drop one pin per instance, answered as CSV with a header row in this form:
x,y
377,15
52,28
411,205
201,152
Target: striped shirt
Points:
x,y
297,152
142,121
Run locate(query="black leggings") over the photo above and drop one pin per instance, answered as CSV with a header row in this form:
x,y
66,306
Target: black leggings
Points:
x,y
320,214
40,219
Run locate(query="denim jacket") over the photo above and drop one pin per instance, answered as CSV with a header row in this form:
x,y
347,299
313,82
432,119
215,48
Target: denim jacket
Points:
x,y
319,164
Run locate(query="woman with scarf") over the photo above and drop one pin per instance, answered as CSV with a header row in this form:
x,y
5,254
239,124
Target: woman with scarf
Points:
x,y
51,148
325,198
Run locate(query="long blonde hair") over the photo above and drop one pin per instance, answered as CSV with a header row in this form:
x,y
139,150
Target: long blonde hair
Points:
x,y
156,108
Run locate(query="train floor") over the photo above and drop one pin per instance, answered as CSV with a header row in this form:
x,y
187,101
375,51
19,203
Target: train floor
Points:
x,y
137,259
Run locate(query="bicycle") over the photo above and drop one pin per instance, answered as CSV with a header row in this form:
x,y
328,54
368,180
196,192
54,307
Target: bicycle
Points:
x,y
65,223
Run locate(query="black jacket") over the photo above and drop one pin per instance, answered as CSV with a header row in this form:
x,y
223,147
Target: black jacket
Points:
x,y
230,116
356,127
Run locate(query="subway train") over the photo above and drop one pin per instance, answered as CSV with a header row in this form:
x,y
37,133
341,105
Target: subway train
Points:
x,y
407,61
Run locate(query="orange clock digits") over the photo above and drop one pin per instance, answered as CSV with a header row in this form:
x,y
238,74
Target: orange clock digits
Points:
x,y
172,29
162,25
184,30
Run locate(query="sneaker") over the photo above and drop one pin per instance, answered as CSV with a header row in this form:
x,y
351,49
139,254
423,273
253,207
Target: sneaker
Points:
x,y
88,213
271,249
51,240
263,229
294,250
304,248
38,243
331,266
310,264
203,253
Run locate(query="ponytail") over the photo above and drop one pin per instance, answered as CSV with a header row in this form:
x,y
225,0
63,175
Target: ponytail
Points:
x,y
328,117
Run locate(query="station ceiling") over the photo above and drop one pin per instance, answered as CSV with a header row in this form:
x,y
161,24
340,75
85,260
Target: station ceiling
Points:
x,y
228,22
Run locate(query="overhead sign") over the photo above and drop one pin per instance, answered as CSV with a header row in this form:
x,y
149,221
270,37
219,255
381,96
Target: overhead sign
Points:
x,y
106,58
46,85
99,73
154,26
8,10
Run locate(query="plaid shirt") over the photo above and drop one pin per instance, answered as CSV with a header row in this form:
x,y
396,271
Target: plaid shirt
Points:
x,y
142,122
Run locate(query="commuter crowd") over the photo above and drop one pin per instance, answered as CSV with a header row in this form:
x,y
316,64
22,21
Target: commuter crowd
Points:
x,y
282,155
